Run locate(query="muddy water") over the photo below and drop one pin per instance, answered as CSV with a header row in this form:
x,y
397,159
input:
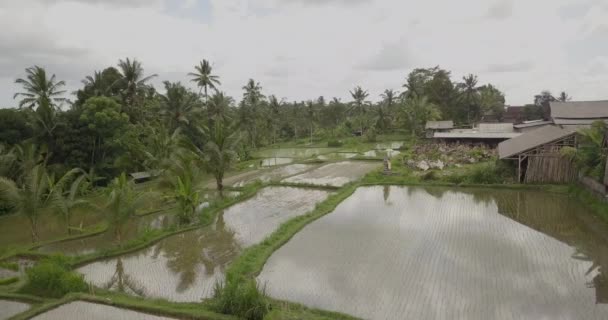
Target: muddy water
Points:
x,y
294,152
93,311
268,175
413,253
381,153
186,266
270,162
11,308
336,174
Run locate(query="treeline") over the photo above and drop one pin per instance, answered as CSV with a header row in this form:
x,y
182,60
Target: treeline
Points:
x,y
118,122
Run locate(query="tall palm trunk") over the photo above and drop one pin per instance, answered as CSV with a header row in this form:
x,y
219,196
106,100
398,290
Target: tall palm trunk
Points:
x,y
34,228
219,180
311,133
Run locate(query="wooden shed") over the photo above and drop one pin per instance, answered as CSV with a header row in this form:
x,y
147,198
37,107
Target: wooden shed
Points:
x,y
538,155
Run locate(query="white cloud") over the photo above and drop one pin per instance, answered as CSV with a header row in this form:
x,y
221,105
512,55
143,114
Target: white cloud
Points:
x,y
305,49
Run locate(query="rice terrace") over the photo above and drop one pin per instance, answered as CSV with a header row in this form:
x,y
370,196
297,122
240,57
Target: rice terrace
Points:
x,y
265,159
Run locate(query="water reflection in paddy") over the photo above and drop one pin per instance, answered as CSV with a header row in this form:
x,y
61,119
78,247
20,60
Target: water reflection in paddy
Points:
x,y
186,266
294,152
268,175
11,308
93,311
396,252
270,162
335,174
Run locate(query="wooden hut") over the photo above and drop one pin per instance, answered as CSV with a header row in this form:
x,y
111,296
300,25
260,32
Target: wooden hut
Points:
x,y
438,126
538,155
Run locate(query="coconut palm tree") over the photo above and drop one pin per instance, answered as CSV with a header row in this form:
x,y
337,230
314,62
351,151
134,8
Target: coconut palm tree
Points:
x,y
417,111
123,203
311,113
132,79
203,77
38,89
219,106
252,98
220,150
178,104
275,105
358,105
66,196
33,195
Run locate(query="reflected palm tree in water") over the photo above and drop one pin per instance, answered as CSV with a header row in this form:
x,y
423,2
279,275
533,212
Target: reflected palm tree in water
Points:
x,y
123,282
213,247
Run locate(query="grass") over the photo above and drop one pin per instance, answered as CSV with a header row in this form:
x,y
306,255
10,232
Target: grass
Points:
x,y
14,266
7,281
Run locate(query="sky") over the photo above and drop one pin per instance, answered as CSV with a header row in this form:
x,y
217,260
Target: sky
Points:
x,y
302,49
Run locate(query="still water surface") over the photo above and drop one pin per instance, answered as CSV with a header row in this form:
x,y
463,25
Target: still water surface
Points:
x,y
435,253
186,266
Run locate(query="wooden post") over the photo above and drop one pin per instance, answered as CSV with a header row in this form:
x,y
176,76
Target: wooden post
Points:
x,y
519,168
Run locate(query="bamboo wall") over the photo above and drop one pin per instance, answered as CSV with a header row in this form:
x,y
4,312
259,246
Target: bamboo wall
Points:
x,y
550,168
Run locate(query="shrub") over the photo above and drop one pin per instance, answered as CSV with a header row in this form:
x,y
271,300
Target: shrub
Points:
x,y
334,143
429,175
484,174
52,278
241,298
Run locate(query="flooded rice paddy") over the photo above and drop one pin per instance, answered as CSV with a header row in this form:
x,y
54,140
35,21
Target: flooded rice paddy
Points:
x,y
336,174
10,308
107,239
337,155
15,229
435,253
294,152
268,175
93,311
271,162
186,266
389,145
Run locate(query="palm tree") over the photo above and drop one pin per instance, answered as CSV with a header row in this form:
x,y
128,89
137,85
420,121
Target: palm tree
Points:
x,y
417,111
123,203
67,199
219,106
32,196
311,114
389,99
359,95
38,89
178,104
252,97
132,79
203,77
220,150
187,197
275,106
95,84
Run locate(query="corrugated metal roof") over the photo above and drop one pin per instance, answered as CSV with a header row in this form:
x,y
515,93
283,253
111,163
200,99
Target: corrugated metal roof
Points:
x,y
532,124
448,124
475,134
495,127
579,109
532,139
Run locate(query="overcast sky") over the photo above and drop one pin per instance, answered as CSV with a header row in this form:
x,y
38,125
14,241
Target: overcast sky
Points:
x,y
301,49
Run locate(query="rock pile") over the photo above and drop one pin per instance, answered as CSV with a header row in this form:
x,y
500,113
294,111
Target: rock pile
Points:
x,y
439,156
